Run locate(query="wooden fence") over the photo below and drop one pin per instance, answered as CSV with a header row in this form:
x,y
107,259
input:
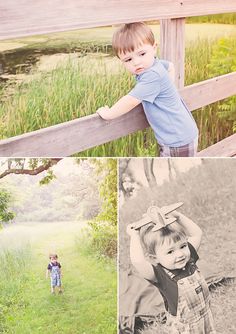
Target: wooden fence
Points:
x,y
23,18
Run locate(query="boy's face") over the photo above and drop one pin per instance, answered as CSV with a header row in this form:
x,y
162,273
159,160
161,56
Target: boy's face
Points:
x,y
174,255
140,59
53,259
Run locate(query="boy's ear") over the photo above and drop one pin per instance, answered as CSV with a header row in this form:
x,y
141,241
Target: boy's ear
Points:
x,y
155,45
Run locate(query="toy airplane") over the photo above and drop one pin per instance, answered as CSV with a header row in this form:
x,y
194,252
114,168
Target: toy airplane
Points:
x,y
158,216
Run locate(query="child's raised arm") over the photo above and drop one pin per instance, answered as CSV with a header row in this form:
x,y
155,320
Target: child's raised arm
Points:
x,y
137,256
192,230
121,107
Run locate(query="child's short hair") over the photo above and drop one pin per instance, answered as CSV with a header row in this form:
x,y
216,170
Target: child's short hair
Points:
x,y
53,256
130,36
151,240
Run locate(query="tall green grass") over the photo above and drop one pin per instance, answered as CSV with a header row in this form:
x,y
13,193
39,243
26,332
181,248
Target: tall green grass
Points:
x,y
98,240
14,270
203,63
229,18
80,87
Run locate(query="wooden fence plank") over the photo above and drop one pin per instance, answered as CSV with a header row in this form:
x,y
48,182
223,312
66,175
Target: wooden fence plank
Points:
x,y
74,136
224,148
206,92
86,132
172,44
24,17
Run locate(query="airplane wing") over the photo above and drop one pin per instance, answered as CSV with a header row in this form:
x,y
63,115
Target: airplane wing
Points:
x,y
167,209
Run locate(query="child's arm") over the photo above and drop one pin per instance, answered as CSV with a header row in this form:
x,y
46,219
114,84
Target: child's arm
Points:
x,y
137,256
47,273
192,230
121,107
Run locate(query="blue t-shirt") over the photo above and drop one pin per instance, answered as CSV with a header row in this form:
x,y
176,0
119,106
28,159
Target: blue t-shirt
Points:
x,y
51,264
167,114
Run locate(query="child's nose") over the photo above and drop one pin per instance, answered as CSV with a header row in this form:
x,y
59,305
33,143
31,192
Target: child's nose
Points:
x,y
180,253
136,61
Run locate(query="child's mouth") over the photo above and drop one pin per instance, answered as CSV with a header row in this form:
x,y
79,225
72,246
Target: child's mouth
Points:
x,y
140,69
180,261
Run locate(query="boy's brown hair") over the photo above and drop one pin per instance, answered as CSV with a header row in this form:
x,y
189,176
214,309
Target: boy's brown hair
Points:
x,y
130,36
151,240
53,256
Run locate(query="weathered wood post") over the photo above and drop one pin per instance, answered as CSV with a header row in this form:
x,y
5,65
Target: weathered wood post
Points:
x,y
172,46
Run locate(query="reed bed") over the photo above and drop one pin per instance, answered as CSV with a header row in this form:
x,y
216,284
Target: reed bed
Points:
x,y
82,85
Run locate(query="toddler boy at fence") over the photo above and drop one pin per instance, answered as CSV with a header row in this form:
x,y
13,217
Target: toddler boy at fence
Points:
x,y
172,122
167,258
54,269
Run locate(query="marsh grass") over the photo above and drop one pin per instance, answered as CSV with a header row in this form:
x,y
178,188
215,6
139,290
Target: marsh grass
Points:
x,y
69,92
212,126
83,85
228,18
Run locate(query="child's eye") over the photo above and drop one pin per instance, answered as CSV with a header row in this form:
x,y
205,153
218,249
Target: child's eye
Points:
x,y
184,245
170,251
127,60
142,54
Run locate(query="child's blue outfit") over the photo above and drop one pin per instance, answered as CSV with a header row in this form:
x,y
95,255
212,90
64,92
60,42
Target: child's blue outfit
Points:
x,y
186,296
54,269
167,114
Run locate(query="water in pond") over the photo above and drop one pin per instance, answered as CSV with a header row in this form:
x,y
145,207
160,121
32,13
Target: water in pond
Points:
x,y
22,60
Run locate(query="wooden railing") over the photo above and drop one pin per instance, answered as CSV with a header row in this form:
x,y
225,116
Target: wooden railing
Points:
x,y
21,18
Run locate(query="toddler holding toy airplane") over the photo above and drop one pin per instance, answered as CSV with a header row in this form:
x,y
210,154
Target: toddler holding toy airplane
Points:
x,y
165,253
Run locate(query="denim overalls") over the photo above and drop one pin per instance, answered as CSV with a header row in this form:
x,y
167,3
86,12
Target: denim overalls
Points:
x,y
193,312
55,275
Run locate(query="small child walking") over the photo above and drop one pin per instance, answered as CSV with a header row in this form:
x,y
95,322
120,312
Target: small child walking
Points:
x,y
54,269
167,258
173,124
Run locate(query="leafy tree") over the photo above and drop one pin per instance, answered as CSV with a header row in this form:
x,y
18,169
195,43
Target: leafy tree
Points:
x,y
104,225
68,196
5,214
31,166
107,170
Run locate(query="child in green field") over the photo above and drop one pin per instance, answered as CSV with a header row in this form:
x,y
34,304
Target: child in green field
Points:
x,y
54,269
172,122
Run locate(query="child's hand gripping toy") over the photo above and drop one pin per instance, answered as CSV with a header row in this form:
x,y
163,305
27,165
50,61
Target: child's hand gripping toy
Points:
x,y
158,216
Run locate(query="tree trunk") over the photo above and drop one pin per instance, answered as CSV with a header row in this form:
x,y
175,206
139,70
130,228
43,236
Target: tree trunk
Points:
x,y
149,173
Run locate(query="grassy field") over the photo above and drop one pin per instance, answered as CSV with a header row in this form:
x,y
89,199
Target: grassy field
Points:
x,y
80,86
208,195
88,303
